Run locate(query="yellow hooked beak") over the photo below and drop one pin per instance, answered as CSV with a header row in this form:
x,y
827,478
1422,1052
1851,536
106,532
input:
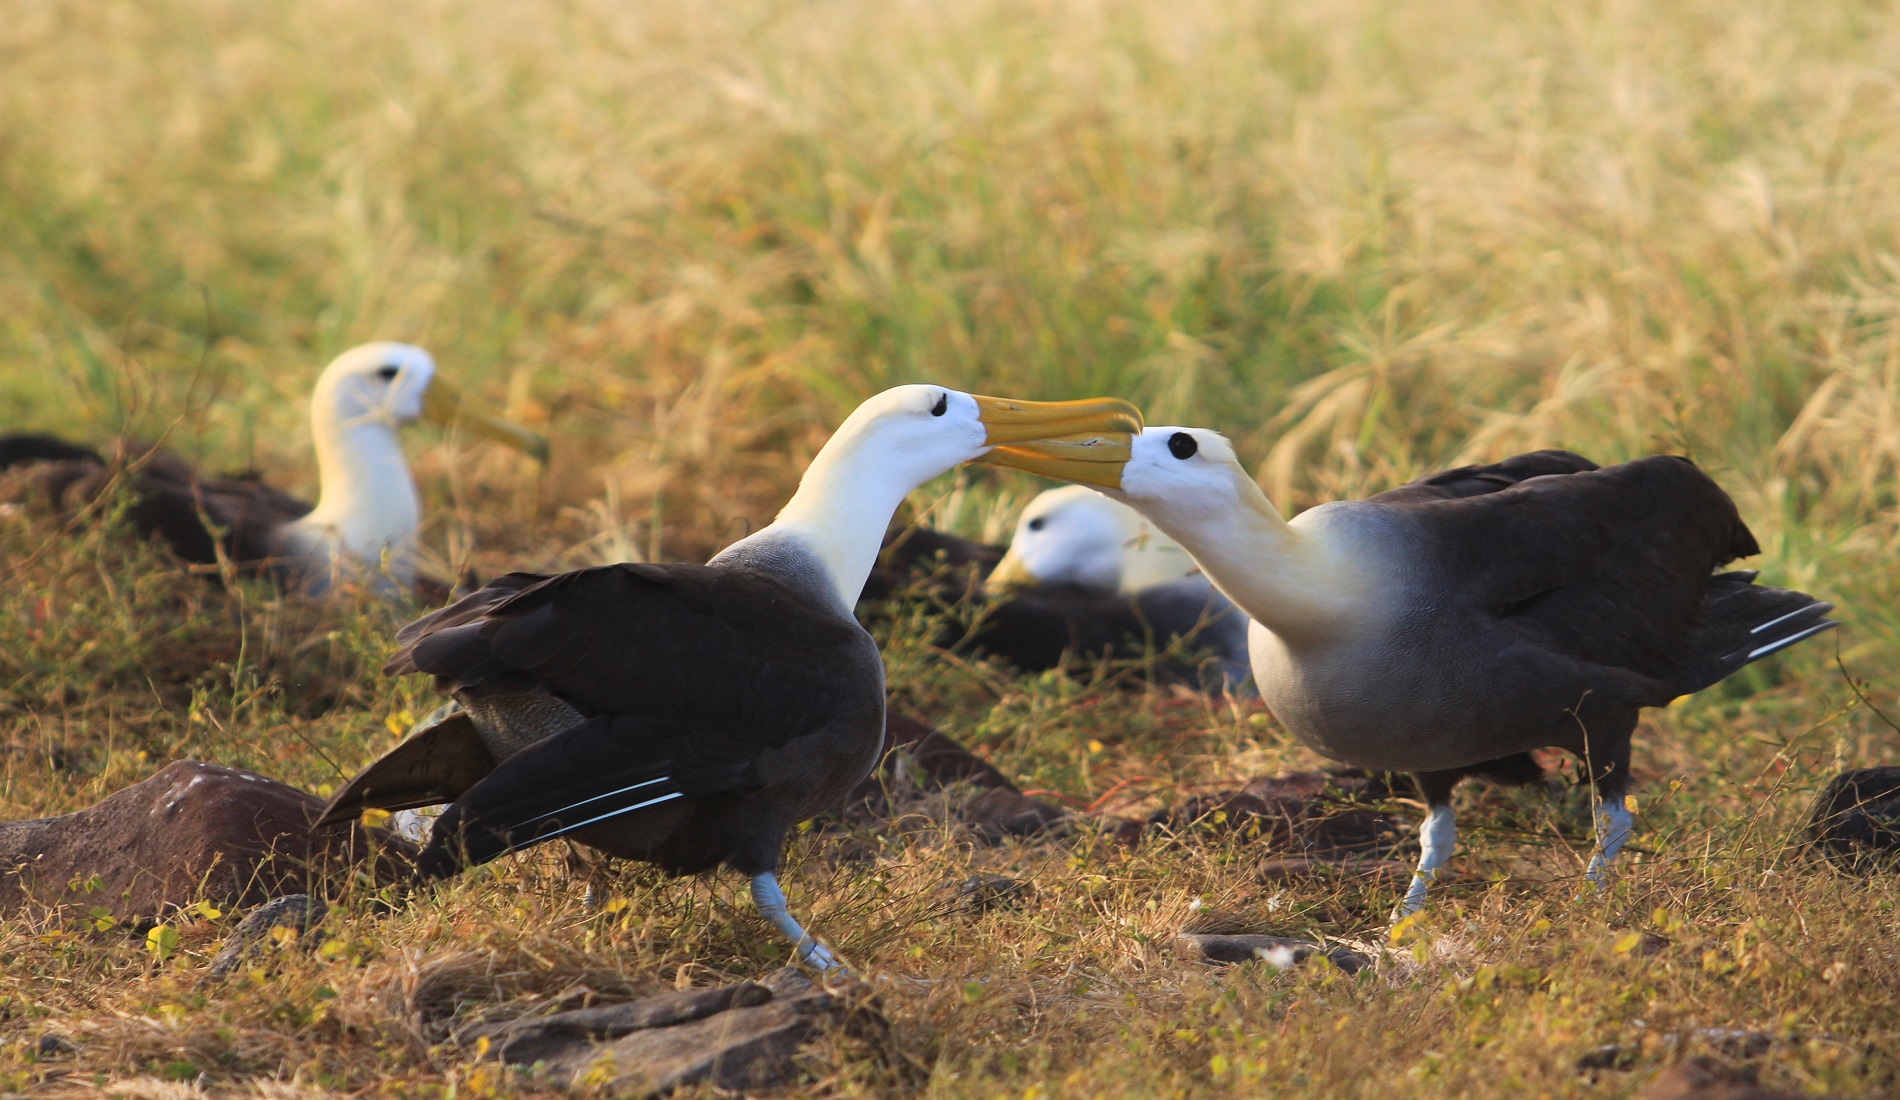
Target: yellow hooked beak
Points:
x,y
1011,421
1009,573
1085,441
442,404
1088,459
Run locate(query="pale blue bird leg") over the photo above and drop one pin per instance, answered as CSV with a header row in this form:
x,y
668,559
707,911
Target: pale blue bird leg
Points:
x,y
1614,825
770,899
1436,839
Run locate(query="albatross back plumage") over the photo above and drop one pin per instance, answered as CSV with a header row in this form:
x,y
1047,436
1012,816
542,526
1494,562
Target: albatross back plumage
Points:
x,y
196,515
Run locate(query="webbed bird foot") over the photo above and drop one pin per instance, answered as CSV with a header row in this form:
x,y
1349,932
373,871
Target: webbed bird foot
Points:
x,y
817,955
1414,896
770,899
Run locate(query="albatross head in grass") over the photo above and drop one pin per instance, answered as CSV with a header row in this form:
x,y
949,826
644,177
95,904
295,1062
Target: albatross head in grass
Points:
x,y
1075,536
1299,579
369,510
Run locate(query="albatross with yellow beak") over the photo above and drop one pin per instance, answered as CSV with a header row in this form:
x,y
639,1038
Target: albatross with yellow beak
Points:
x,y
1452,625
1088,576
366,515
690,715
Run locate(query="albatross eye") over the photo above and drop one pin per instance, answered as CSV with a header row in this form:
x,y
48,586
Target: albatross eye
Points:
x,y
388,372
1182,445
1038,523
942,406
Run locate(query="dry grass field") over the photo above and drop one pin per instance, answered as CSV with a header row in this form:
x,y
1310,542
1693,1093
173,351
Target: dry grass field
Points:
x,y
1366,239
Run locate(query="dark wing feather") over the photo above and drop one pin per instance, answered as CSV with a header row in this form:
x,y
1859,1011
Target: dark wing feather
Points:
x,y
1605,565
249,511
1471,481
1035,627
1743,622
605,770
174,503
22,447
696,681
431,767
689,645
943,562
442,626
170,501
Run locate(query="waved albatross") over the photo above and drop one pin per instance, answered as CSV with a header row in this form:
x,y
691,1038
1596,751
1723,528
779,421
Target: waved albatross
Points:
x,y
690,715
366,514
1454,624
1100,572
1075,535
1084,578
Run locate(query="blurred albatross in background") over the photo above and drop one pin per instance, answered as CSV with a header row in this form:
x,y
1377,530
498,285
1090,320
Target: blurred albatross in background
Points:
x,y
368,511
1087,573
1083,578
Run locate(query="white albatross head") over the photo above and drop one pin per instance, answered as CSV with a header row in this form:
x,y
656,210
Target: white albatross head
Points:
x,y
1180,476
1296,581
381,383
1075,535
391,385
368,507
901,438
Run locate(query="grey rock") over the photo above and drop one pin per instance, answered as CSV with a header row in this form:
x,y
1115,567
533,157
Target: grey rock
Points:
x,y
1705,1078
534,1039
1731,1043
1310,815
1000,813
738,1037
918,758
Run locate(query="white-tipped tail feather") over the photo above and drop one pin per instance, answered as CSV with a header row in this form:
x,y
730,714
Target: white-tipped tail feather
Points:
x,y
1744,622
1783,643
566,829
524,828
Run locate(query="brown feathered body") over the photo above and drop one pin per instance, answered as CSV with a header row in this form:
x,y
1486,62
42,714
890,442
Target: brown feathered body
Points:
x,y
192,513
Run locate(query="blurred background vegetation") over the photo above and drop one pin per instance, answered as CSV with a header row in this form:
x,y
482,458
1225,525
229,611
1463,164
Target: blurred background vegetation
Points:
x,y
1367,239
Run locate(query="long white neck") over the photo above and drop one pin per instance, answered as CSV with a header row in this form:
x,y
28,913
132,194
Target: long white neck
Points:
x,y
842,507
368,502
1286,579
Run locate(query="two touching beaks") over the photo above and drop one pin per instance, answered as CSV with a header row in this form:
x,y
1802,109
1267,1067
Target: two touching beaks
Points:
x,y
1087,441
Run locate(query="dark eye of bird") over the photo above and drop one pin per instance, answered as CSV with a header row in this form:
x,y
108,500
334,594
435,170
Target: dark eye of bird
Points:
x,y
942,406
1037,523
389,372
1182,445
